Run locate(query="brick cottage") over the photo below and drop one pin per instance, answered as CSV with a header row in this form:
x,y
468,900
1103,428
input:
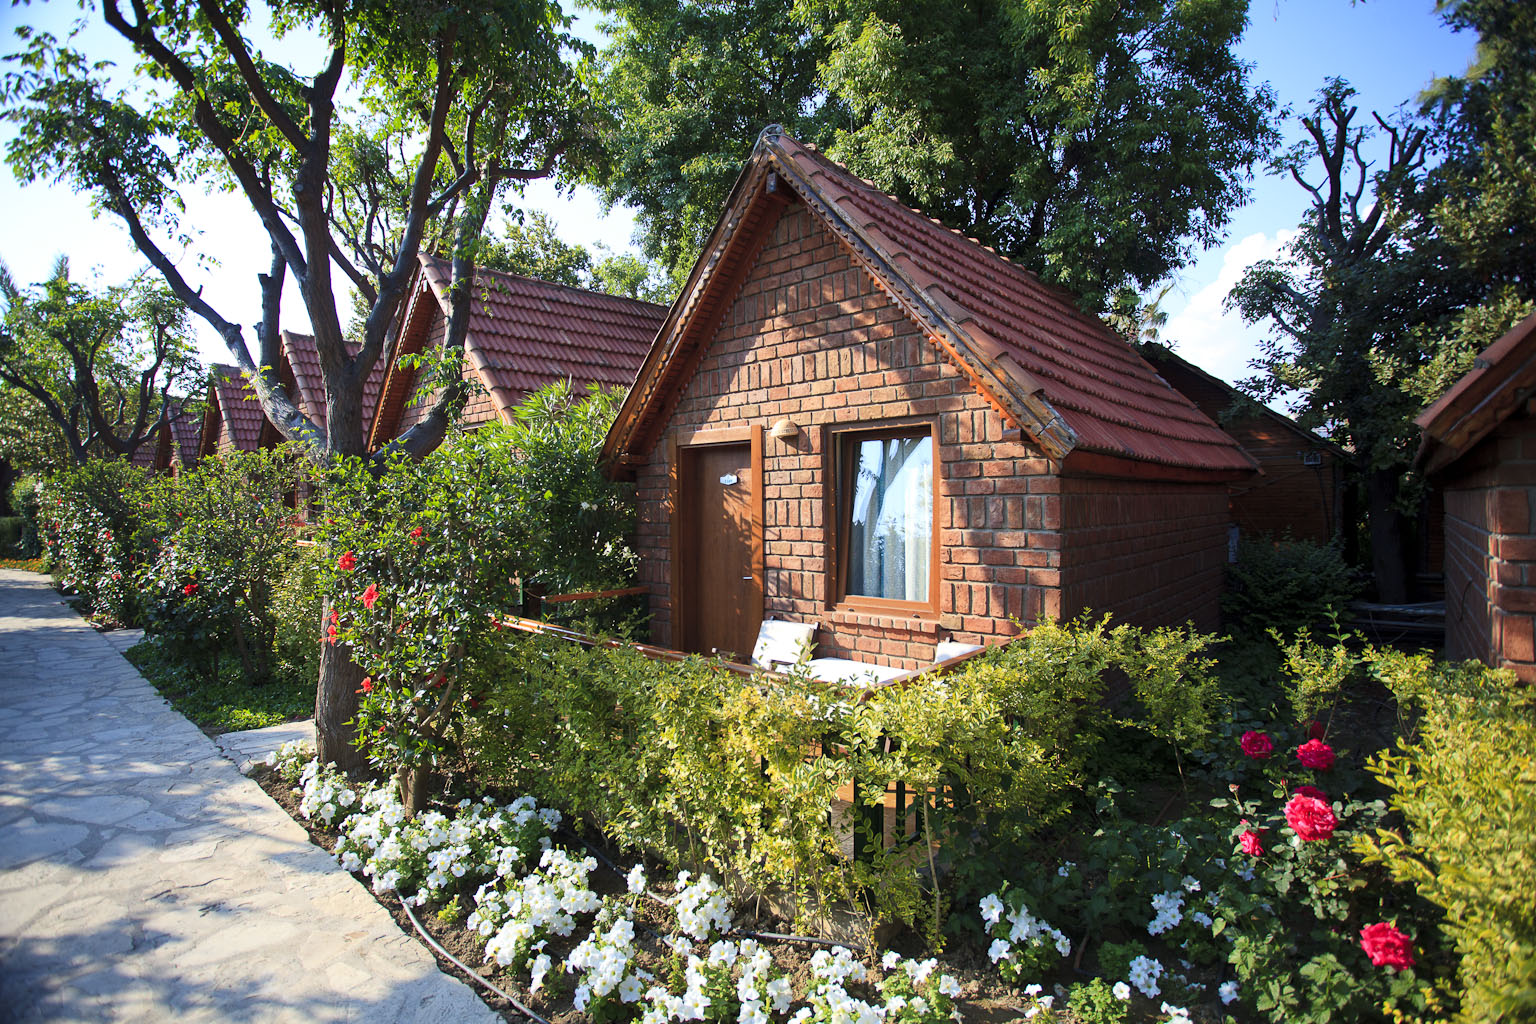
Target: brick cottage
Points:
x,y
857,418
1479,450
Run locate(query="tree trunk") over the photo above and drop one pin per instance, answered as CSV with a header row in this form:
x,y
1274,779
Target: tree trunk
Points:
x,y
336,703
1386,525
415,786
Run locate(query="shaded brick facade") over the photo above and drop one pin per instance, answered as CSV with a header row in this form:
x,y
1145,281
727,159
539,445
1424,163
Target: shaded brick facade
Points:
x,y
811,336
1490,549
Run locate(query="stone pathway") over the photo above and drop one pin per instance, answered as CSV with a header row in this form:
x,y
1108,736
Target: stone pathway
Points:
x,y
143,878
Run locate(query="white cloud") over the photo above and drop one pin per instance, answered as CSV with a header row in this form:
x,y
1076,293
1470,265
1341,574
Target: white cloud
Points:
x,y
1209,336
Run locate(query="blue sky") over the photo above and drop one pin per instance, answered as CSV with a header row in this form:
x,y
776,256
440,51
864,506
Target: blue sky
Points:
x,y
1389,49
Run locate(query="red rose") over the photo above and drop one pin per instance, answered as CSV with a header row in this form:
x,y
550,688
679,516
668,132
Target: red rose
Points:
x,y
1311,791
1315,730
370,596
1252,842
189,589
347,562
1386,946
1315,754
1257,745
367,684
1310,817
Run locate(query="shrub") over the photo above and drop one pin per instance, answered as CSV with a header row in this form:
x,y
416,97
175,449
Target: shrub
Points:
x,y
223,536
11,530
94,517
24,499
1466,788
1285,585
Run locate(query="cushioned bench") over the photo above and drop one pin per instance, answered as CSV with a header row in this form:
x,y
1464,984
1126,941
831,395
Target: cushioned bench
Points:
x,y
783,645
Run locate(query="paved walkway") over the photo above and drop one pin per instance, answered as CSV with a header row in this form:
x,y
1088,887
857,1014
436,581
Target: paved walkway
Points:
x,y
142,878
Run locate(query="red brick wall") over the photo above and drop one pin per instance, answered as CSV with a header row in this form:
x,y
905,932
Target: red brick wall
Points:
x,y
809,336
1152,553
479,409
1490,550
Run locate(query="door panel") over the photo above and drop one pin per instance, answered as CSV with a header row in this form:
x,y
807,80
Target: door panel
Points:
x,y
720,597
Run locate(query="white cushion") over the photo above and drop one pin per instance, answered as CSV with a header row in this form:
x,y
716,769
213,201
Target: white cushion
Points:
x,y
783,643
844,670
951,649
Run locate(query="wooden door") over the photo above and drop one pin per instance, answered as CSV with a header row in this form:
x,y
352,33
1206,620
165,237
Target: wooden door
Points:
x,y
718,593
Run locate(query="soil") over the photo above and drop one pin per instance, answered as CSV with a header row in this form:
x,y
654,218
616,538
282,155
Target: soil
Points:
x,y
984,997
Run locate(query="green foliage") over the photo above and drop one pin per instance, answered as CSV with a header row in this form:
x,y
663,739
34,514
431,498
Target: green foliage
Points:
x,y
93,516
1316,673
698,765
1031,126
1093,1002
220,700
1466,789
1285,585
224,534
11,530
90,370
530,246
424,556
25,500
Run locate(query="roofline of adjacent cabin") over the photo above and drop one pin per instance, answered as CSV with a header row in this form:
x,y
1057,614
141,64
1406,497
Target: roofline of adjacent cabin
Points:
x,y
1278,417
1478,402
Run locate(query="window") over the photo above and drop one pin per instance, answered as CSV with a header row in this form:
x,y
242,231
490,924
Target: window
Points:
x,y
885,515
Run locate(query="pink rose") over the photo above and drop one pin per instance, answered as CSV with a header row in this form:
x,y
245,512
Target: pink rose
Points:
x,y
1252,842
1386,946
1315,754
1257,745
1310,817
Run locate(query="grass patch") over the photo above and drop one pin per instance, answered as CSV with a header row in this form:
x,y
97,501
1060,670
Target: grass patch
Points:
x,y
24,564
227,703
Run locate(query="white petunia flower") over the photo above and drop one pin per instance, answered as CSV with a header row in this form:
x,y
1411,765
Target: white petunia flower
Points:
x,y
1228,992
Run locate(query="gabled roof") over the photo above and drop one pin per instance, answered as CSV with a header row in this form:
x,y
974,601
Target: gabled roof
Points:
x,y
523,334
1065,379
231,407
1214,395
186,430
1502,378
299,370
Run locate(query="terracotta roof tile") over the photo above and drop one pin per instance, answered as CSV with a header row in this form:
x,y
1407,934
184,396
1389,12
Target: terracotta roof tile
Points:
x,y
1109,397
525,333
237,406
304,363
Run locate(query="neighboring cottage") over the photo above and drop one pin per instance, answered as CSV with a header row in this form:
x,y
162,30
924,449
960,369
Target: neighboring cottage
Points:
x,y
1301,490
856,417
523,334
232,417
299,371
1479,450
171,448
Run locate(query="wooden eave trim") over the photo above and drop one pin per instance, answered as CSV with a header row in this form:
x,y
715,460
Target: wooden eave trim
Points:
x,y
393,374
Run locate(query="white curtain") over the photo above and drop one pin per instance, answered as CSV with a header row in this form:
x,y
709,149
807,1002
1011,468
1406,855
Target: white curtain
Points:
x,y
891,526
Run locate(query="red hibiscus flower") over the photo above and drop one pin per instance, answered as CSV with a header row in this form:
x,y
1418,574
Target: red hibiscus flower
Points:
x,y
1315,754
1310,817
189,589
1251,842
417,534
330,634
370,596
1313,792
1257,745
367,684
347,562
1386,946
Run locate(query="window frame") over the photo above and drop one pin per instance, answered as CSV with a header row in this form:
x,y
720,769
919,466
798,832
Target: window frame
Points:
x,y
841,446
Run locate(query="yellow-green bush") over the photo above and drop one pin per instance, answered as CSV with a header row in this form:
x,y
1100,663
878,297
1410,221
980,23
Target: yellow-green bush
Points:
x,y
1466,788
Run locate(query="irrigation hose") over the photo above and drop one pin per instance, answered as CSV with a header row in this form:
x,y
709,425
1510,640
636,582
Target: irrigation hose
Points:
x,y
474,976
